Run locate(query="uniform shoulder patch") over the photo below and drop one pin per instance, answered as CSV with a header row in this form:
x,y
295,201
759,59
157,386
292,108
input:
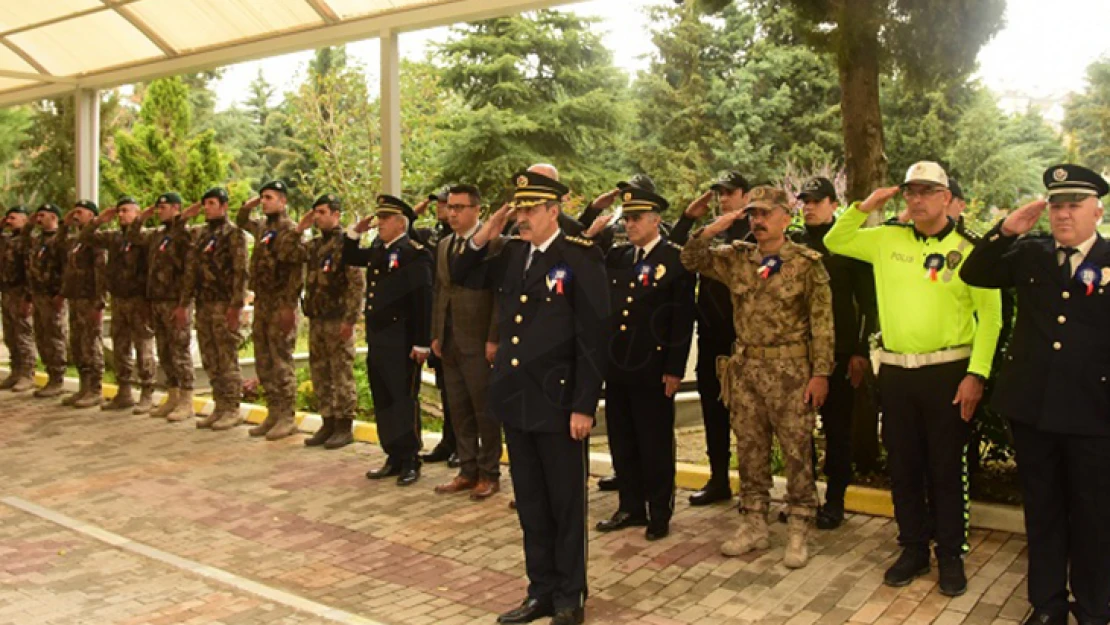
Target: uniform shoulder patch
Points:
x,y
580,241
674,245
416,245
968,233
808,252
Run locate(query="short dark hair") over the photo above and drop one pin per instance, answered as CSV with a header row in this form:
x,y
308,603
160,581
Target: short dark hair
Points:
x,y
470,190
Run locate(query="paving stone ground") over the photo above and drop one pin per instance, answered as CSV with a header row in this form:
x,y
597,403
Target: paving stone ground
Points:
x,y
306,522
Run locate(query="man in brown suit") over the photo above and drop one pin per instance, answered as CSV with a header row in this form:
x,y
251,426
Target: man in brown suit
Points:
x,y
464,336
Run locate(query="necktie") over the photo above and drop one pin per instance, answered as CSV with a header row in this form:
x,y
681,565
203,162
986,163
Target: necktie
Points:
x,y
1065,267
535,256
639,256
456,245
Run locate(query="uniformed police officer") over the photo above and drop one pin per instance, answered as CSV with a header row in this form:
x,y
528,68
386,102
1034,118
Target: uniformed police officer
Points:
x,y
46,258
15,306
647,358
398,318
333,302
938,337
83,286
131,315
276,278
553,309
1053,389
215,277
855,316
716,332
167,251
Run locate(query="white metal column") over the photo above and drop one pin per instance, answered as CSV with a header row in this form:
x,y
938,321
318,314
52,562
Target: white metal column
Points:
x,y
87,143
391,112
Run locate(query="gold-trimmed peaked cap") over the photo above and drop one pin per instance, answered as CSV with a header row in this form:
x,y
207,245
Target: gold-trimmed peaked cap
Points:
x,y
1075,181
392,205
532,188
637,200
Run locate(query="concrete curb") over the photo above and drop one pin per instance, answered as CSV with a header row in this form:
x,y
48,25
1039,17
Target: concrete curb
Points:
x,y
859,499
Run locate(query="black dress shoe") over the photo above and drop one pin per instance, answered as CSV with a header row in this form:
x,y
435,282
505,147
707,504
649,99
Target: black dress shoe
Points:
x,y
830,516
951,579
569,616
1044,617
454,462
408,475
913,563
608,483
439,454
389,469
619,521
711,493
527,612
657,531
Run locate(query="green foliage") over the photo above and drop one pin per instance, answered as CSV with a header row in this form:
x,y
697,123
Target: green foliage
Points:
x,y
426,108
1087,120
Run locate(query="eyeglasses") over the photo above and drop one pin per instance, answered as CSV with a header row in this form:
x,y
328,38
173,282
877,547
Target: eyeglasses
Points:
x,y
921,192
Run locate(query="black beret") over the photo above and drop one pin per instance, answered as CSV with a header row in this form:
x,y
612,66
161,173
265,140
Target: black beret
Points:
x,y
18,208
49,208
127,199
730,181
1074,180
817,189
274,185
330,199
218,193
392,205
170,197
534,188
954,188
88,205
637,200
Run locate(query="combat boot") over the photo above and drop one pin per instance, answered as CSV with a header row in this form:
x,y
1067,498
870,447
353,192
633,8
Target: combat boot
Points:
x,y
9,381
183,408
797,552
82,391
267,424
121,401
323,434
285,426
750,536
217,413
24,383
342,436
93,395
172,397
146,401
230,418
53,388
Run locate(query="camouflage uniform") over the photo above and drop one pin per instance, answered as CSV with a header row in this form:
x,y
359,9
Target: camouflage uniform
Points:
x,y
276,278
18,335
46,257
784,330
216,277
83,286
333,297
131,317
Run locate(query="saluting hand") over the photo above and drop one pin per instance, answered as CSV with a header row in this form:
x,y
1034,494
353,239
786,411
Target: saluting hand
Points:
x,y
306,221
722,223
147,213
605,200
105,216
494,226
580,426
421,207
1023,219
192,211
816,391
599,224
968,395
363,226
878,199
251,203
699,207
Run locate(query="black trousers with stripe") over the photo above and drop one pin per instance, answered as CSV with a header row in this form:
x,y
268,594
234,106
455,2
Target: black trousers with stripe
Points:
x,y
926,443
549,472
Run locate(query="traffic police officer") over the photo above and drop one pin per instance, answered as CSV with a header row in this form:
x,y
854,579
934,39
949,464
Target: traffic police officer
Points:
x,y
553,309
46,258
938,337
647,353
398,322
855,319
1053,389
15,307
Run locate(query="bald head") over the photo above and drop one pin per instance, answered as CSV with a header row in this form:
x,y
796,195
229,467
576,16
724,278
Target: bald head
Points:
x,y
545,169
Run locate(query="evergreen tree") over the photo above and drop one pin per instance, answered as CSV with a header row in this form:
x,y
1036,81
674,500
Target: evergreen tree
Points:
x,y
1087,118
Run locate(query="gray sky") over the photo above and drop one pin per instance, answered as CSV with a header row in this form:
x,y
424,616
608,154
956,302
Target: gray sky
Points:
x,y
1043,49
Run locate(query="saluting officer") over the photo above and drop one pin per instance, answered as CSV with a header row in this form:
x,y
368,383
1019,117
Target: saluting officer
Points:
x,y
1053,389
939,336
19,337
398,321
83,285
553,309
647,357
46,258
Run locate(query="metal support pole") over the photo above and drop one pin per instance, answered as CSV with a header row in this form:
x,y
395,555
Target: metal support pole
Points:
x,y
391,112
87,143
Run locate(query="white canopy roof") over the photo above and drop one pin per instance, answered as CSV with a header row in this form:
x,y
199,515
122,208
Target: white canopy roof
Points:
x,y
51,47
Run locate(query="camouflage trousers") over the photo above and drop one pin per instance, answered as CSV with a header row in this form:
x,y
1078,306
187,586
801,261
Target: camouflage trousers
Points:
x,y
219,353
132,332
86,347
764,397
332,363
19,337
173,344
50,334
273,358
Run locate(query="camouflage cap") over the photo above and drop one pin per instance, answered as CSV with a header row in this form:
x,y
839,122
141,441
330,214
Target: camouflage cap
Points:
x,y
766,196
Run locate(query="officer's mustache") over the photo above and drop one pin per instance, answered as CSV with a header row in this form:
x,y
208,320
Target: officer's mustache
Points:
x,y
759,229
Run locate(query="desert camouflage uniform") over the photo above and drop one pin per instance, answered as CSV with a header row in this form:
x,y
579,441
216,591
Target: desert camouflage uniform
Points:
x,y
18,334
46,257
83,285
784,330
216,277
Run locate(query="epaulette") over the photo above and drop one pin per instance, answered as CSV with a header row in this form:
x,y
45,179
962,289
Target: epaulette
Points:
x,y
674,245
580,241
968,233
416,245
808,252
739,245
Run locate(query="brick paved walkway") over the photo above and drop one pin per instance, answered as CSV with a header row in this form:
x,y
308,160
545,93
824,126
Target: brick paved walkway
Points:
x,y
307,524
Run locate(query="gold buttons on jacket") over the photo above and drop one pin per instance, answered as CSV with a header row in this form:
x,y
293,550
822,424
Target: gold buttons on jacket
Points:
x,y
624,312
518,318
1061,320
514,362
516,340
523,299
1066,295
1057,346
624,328
629,299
